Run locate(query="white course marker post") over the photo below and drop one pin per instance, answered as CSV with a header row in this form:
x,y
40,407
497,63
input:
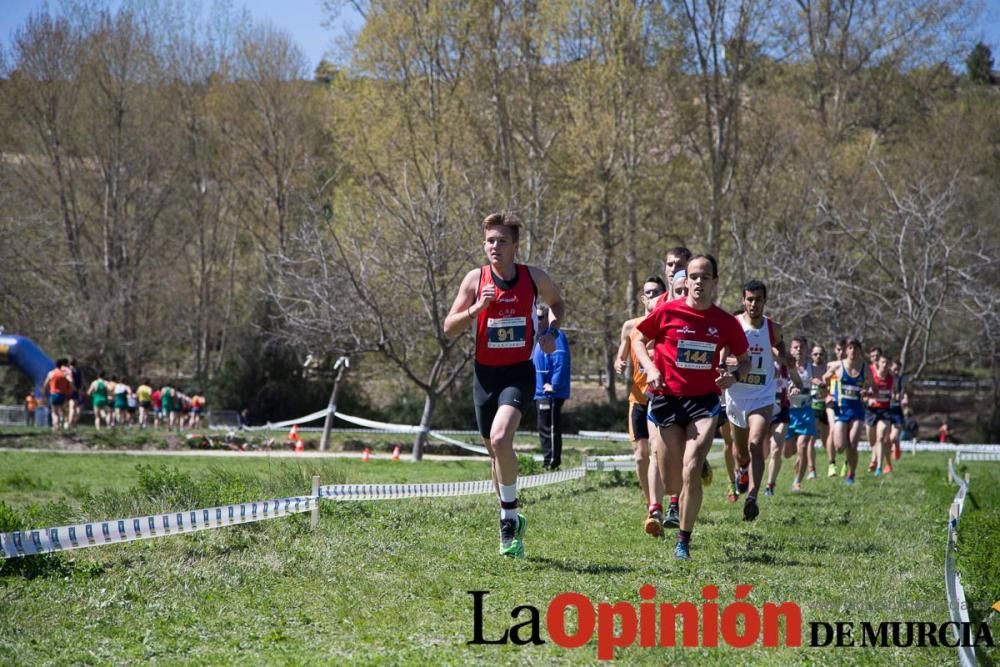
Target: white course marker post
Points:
x,y
314,523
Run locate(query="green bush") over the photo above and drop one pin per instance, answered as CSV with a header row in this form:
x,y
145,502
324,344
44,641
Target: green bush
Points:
x,y
10,519
527,465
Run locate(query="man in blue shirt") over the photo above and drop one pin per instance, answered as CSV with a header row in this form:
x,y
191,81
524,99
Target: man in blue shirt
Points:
x,y
551,391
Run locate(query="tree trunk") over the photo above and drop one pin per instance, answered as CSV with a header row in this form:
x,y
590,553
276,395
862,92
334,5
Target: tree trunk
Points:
x,y
430,399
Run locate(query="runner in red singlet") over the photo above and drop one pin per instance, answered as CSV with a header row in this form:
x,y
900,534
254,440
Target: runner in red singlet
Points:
x,y
498,299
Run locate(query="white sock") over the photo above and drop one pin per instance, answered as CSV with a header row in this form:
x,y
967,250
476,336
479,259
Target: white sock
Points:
x,y
508,494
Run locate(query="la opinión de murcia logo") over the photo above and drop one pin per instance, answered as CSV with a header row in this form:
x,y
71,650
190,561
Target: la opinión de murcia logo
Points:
x,y
739,624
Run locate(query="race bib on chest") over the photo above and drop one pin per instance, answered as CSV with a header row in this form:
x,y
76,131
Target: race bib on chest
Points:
x,y
851,391
695,354
755,379
506,332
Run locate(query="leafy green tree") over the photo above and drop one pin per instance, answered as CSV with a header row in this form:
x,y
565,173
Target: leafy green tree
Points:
x,y
979,64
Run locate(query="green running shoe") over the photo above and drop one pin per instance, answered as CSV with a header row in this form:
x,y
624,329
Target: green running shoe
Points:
x,y
512,536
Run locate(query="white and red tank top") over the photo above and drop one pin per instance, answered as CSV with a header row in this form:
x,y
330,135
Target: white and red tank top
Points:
x,y
759,383
505,330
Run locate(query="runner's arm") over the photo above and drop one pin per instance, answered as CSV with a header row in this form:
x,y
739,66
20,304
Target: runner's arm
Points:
x,y
623,347
549,292
653,377
744,362
465,308
781,354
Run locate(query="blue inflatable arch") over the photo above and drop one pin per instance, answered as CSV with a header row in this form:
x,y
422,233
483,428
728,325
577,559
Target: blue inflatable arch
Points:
x,y
26,357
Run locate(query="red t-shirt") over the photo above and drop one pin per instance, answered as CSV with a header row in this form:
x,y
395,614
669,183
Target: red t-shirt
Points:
x,y
687,343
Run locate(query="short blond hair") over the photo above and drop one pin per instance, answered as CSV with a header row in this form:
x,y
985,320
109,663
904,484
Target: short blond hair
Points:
x,y
506,219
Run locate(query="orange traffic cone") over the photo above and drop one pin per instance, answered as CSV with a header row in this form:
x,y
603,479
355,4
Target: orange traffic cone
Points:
x,y
293,436
367,455
395,453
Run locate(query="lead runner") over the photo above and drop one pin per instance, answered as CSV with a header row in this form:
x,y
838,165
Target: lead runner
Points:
x,y
685,376
500,299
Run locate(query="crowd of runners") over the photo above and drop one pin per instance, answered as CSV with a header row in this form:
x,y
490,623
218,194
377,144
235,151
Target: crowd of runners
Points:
x,y
116,403
698,373
768,403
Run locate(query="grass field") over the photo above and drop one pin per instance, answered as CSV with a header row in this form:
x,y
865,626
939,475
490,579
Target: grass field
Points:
x,y
386,582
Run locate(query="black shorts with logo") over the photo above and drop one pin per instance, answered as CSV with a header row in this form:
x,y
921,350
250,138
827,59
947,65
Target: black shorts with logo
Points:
x,y
667,411
638,426
821,417
493,386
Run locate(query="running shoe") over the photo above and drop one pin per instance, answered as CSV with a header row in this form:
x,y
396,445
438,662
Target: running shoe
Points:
x,y
796,486
706,473
732,494
682,551
742,480
843,469
812,474
672,518
653,524
872,465
512,535
878,471
750,509
832,470
896,451
768,491
887,468
850,480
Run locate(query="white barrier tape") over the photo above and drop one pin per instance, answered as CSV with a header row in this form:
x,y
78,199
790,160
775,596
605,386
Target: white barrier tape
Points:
x,y
611,465
98,533
344,492
977,456
321,414
368,423
459,443
957,605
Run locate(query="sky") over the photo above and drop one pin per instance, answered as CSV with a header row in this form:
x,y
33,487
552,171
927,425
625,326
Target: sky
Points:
x,y
304,20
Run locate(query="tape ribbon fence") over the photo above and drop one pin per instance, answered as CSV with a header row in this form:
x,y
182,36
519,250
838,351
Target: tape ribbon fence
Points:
x,y
957,604
98,533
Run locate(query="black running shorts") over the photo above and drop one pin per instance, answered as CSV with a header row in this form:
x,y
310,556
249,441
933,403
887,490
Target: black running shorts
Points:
x,y
781,417
638,428
667,411
493,386
875,415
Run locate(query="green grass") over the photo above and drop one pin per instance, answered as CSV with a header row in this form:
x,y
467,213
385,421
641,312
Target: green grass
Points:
x,y
386,582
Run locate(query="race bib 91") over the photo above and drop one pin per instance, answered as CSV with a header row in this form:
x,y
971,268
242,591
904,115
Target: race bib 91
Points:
x,y
506,332
695,354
